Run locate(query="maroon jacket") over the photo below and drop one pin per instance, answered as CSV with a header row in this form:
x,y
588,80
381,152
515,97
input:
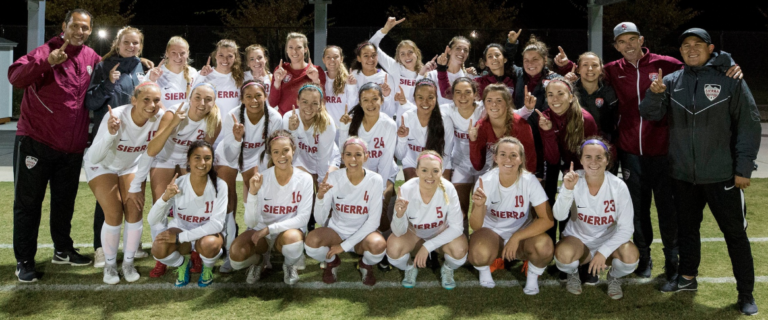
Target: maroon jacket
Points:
x,y
486,138
53,107
285,96
636,135
555,148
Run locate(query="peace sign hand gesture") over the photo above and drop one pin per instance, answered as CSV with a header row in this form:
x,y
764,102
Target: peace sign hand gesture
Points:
x,y
323,188
472,131
570,178
658,86
312,72
254,184
530,100
544,122
172,189
113,124
391,23
345,119
293,120
402,131
58,56
238,129
512,36
156,72
206,70
561,59
479,197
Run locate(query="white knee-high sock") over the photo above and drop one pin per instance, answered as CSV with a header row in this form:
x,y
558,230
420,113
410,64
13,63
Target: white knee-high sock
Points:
x,y
231,227
620,269
567,268
292,252
110,240
239,265
372,259
175,259
455,263
318,254
132,239
209,262
401,263
532,279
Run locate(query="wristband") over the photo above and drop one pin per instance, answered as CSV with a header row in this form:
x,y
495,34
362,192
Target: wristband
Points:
x,y
178,244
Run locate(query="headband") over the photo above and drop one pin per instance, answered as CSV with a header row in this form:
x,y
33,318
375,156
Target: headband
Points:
x,y
254,83
147,83
360,46
215,92
594,141
355,141
426,82
430,156
567,85
310,85
278,137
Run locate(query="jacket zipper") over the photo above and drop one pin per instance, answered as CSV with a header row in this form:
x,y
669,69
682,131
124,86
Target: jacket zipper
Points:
x,y
693,128
34,91
637,83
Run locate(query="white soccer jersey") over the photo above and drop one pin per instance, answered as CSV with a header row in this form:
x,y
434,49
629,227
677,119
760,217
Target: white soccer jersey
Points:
x,y
266,79
602,222
197,216
253,144
173,86
280,208
381,141
122,150
227,91
432,75
460,151
403,77
315,151
509,209
437,222
408,148
334,104
389,106
356,209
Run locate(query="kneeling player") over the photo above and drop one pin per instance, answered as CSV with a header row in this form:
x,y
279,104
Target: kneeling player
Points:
x,y
600,226
277,210
199,203
355,217
428,220
501,217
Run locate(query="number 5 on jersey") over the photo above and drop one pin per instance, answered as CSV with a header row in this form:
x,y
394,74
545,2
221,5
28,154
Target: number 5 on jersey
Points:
x,y
439,212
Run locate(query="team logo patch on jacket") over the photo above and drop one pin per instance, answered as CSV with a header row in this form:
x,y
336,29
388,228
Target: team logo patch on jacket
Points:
x,y
89,69
712,91
599,102
31,162
653,76
287,78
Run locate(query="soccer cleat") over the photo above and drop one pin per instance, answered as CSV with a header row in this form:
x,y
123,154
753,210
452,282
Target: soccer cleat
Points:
x,y
158,271
25,271
226,267
140,253
366,271
182,274
747,305
290,274
253,274
302,263
409,279
110,274
70,257
614,288
586,277
384,265
446,277
98,258
680,284
129,272
644,268
329,274
197,262
573,285
206,277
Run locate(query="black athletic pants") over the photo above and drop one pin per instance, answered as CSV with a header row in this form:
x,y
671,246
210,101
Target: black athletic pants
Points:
x,y
648,177
34,166
551,174
727,205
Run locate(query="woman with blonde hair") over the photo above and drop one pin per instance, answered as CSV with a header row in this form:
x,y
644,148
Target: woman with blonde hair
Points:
x,y
174,75
290,76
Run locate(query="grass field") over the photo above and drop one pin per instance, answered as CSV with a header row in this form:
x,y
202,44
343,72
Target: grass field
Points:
x,y
78,292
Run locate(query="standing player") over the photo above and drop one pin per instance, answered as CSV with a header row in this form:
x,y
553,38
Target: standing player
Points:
x,y
245,131
424,128
174,75
407,65
428,217
290,76
110,165
257,59
600,227
457,53
364,70
355,215
340,86
198,201
277,211
504,227
226,78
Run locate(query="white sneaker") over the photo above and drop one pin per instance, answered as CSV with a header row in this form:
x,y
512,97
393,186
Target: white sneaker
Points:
x,y
140,253
130,273
98,258
290,274
614,288
574,283
302,263
226,267
110,274
253,274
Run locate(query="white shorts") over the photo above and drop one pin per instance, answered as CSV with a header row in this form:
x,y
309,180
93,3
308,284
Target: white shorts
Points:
x,y
169,164
592,247
465,175
248,164
94,170
272,238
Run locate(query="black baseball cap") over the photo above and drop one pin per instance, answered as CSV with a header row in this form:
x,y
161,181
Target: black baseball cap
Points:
x,y
701,33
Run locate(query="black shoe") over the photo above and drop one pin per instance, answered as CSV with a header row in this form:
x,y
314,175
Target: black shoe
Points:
x,y
644,267
747,305
586,277
670,269
680,284
553,270
432,262
25,271
563,277
71,257
384,265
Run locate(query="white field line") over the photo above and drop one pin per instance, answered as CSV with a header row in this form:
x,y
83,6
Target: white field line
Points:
x,y
147,245
315,285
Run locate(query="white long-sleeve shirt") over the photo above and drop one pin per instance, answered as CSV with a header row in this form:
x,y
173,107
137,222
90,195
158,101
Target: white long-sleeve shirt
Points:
x,y
437,222
253,144
265,79
381,141
334,103
314,151
173,86
403,77
227,93
509,209
197,216
603,221
432,75
356,208
127,146
389,105
460,126
408,148
280,208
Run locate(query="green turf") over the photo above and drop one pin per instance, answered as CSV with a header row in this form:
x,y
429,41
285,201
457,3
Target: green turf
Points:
x,y
713,301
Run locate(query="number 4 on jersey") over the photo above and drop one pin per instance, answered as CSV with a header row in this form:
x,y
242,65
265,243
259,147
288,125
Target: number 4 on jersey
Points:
x,y
365,197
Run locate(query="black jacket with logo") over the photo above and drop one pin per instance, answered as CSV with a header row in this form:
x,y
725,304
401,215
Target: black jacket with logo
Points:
x,y
714,124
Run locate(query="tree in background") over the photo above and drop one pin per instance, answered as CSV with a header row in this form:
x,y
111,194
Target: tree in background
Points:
x,y
106,13
433,25
658,21
266,23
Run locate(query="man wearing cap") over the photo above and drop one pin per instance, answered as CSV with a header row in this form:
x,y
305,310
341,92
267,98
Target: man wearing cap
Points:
x,y
714,137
